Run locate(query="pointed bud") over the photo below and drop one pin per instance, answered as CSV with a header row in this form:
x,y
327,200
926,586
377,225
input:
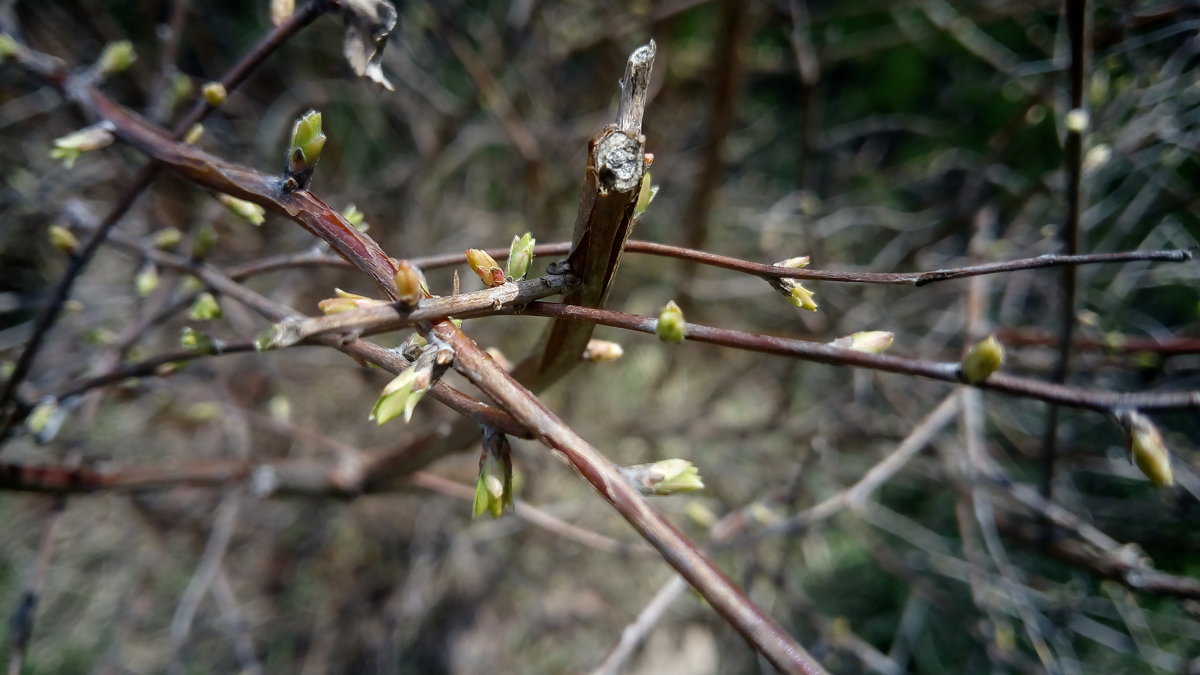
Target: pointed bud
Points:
x,y
195,341
485,266
602,351
982,360
399,397
46,419
117,56
494,486
520,255
647,193
193,134
665,477
8,46
868,341
794,263
309,140
283,334
63,240
146,280
345,302
670,326
204,240
167,238
410,283
1147,450
214,94
355,218
205,308
244,209
68,148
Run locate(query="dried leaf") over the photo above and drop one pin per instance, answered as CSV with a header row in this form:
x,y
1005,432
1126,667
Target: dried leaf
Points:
x,y
369,24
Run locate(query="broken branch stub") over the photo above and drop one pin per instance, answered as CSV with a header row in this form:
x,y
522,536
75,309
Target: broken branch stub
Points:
x,y
607,205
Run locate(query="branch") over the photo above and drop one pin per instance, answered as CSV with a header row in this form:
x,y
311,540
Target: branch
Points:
x,y
822,353
51,69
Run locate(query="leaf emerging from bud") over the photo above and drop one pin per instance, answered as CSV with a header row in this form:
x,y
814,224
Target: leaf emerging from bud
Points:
x,y
670,326
646,195
1146,448
485,266
494,486
664,477
69,148
167,238
117,56
355,218
195,341
8,46
982,360
520,255
244,209
410,283
205,308
308,138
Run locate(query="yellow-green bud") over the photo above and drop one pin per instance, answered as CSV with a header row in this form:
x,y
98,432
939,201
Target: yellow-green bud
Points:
x,y
195,341
146,280
68,148
8,46
63,240
399,397
355,218
664,477
485,266
982,360
308,139
214,94
520,255
645,196
204,240
670,326
494,486
193,134
247,210
205,308
117,56
167,238
1147,450
410,283
345,302
791,289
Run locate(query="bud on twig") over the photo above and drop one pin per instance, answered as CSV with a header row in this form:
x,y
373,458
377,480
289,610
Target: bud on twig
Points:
x,y
791,289
193,134
68,148
205,308
410,283
250,211
485,266
63,240
204,240
520,255
646,195
345,302
214,94
670,326
195,341
868,341
401,395
8,46
664,477
305,151
355,218
146,280
281,10
1146,449
167,238
494,486
982,360
602,351
117,56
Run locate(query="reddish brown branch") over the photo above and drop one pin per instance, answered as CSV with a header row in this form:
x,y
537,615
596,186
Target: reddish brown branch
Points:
x,y
822,353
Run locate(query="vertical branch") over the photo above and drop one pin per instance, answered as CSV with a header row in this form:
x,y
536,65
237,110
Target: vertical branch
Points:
x,y
611,185
1077,121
